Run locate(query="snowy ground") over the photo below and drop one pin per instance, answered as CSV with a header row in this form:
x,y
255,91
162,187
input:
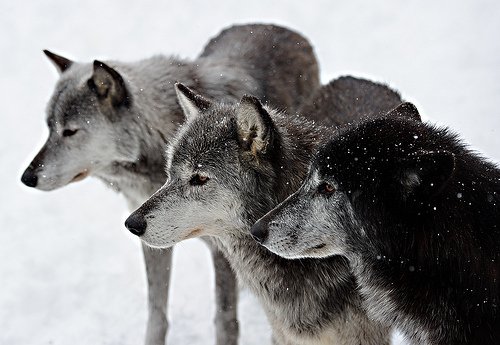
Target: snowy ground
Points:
x,y
70,272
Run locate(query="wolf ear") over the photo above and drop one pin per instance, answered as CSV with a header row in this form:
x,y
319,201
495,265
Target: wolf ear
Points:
x,y
255,126
191,103
61,63
426,172
109,85
407,110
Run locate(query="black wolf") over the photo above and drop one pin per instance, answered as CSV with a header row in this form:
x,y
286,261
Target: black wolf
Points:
x,y
417,214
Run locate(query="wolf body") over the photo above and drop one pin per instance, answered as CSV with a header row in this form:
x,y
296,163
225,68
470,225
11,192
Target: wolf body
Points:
x,y
111,120
417,214
227,166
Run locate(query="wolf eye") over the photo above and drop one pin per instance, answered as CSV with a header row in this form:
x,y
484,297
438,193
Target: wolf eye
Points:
x,y
326,189
198,180
69,132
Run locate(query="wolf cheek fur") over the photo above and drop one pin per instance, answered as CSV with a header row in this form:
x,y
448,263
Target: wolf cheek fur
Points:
x,y
111,120
417,214
250,158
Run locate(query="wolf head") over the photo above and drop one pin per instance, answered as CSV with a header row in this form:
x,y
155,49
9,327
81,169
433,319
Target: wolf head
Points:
x,y
85,117
367,176
221,169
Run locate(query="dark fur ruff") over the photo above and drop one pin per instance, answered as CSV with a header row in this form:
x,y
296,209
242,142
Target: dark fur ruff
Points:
x,y
432,249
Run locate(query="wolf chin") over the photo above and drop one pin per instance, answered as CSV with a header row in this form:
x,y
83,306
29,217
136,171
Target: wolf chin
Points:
x,y
111,120
226,167
416,213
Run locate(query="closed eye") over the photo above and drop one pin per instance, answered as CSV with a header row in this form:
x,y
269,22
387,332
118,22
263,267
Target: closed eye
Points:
x,y
69,132
198,180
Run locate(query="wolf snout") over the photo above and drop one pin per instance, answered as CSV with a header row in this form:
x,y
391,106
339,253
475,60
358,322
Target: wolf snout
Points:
x,y
260,231
29,177
136,224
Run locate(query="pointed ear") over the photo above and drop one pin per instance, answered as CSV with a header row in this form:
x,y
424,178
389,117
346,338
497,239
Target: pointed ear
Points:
x,y
60,62
255,126
426,172
406,109
109,85
191,103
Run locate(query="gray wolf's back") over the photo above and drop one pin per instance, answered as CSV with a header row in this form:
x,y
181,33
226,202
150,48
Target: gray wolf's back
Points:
x,y
283,60
348,99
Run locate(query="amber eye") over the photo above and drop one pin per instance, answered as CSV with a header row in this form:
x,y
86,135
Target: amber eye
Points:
x,y
69,132
198,180
326,188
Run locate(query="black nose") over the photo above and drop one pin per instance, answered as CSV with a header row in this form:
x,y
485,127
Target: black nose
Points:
x,y
136,224
29,178
260,231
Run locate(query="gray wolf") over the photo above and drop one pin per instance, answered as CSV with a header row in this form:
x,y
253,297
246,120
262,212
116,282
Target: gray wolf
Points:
x,y
416,213
227,166
111,120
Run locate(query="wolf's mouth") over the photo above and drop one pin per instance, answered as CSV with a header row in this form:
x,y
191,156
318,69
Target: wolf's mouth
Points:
x,y
80,176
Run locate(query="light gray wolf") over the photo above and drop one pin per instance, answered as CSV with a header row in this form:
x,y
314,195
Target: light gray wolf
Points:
x,y
416,213
227,166
112,119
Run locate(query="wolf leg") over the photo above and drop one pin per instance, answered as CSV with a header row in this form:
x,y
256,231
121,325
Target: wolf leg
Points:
x,y
226,296
158,263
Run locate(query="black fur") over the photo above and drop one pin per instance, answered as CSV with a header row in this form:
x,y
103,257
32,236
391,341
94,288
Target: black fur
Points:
x,y
432,243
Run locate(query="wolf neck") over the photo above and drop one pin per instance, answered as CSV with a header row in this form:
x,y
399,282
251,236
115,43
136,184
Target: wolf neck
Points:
x,y
293,290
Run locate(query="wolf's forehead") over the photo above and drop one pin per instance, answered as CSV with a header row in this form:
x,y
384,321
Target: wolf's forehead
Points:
x,y
68,100
203,149
211,153
206,132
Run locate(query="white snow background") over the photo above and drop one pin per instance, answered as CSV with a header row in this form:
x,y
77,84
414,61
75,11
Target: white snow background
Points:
x,y
70,273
